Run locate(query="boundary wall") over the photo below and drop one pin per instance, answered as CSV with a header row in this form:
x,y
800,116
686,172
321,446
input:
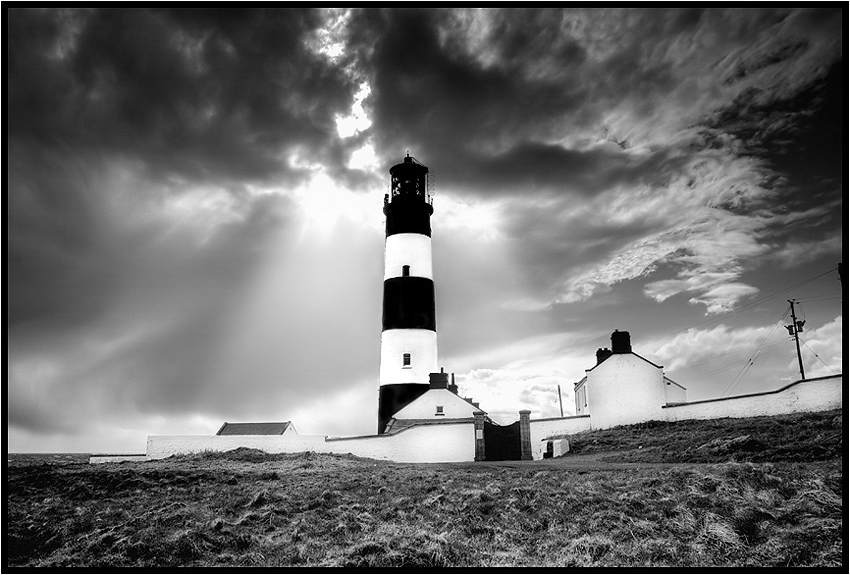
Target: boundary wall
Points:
x,y
819,394
543,428
448,442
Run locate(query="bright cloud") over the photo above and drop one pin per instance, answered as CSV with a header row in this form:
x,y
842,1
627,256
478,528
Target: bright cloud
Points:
x,y
697,345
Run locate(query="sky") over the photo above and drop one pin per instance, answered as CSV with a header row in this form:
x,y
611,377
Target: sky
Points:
x,y
194,227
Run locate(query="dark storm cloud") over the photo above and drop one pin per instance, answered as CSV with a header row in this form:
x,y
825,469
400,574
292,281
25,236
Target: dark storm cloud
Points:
x,y
437,101
496,98
59,263
536,167
485,125
797,139
204,95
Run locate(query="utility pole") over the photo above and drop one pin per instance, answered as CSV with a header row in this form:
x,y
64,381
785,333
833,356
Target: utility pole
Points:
x,y
561,403
794,329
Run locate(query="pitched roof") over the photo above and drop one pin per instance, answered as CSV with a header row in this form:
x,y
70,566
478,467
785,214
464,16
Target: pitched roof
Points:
x,y
253,428
396,425
625,353
668,381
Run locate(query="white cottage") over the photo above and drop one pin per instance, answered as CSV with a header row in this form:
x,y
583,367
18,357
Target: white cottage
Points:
x,y
440,404
624,388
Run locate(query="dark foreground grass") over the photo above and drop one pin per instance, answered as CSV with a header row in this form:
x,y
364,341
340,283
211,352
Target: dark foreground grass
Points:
x,y
246,508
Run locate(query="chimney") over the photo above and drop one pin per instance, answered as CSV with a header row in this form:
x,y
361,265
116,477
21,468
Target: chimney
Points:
x,y
453,385
621,342
602,354
439,380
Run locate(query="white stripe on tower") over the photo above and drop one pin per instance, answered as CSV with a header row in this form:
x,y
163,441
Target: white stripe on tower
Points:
x,y
420,344
412,250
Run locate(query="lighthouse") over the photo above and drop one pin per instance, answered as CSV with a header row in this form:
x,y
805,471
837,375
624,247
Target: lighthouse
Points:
x,y
409,327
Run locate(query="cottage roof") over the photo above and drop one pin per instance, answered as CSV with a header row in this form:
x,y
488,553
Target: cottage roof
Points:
x,y
395,425
626,353
669,381
253,428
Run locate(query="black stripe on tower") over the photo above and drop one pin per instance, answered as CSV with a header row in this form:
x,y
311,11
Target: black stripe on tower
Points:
x,y
392,398
409,303
408,215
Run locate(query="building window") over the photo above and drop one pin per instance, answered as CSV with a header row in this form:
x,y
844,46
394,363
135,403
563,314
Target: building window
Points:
x,y
405,360
405,271
439,410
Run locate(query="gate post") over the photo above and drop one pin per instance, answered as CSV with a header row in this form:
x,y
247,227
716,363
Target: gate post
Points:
x,y
525,434
479,436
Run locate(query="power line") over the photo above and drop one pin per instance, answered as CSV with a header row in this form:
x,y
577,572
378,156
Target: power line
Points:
x,y
731,365
755,302
751,361
817,356
807,300
742,352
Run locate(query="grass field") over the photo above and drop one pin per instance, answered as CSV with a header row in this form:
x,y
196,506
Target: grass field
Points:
x,y
761,492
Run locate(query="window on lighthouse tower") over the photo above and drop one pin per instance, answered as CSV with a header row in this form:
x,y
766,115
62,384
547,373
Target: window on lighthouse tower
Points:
x,y
405,360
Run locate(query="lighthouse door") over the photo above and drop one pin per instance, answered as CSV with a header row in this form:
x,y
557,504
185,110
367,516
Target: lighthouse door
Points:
x,y
502,442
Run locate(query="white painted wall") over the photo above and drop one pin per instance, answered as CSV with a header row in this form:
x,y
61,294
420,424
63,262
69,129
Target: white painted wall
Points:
x,y
820,394
425,406
624,389
421,344
580,395
413,250
450,442
674,393
543,428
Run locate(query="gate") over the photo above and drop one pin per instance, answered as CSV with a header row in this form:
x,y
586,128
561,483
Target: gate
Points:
x,y
502,442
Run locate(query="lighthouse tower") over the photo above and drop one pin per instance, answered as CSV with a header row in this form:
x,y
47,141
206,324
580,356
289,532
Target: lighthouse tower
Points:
x,y
409,335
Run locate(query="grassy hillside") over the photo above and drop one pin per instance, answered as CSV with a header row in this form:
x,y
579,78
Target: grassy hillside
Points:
x,y
246,508
795,437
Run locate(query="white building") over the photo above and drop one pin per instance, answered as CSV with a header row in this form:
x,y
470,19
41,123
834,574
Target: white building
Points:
x,y
625,388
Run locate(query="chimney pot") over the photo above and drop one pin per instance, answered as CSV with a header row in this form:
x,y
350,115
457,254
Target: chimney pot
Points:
x,y
438,380
621,342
